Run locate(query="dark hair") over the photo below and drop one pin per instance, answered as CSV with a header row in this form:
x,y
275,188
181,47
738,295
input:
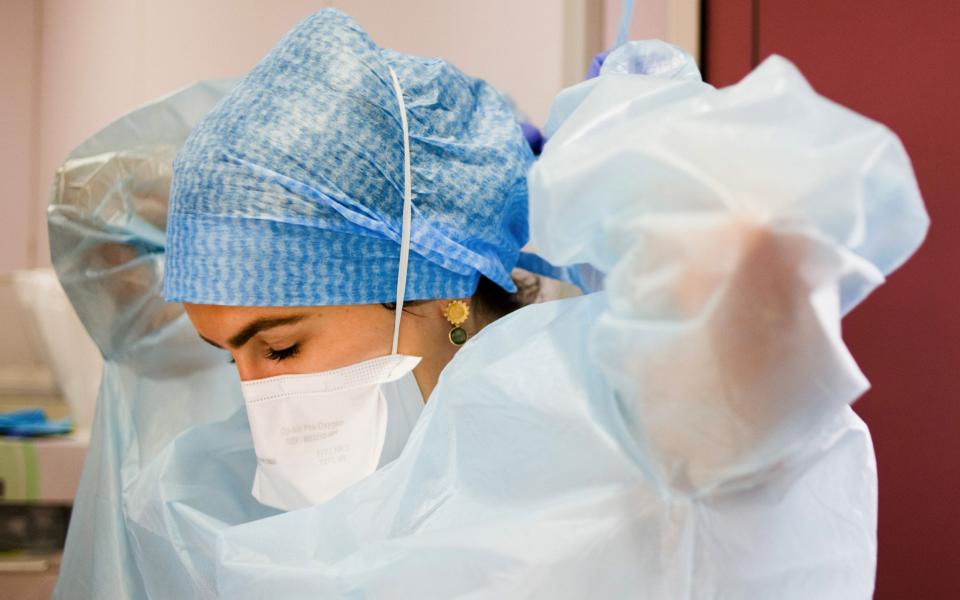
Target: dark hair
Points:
x,y
490,301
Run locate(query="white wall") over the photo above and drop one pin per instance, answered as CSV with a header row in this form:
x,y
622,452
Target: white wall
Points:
x,y
69,67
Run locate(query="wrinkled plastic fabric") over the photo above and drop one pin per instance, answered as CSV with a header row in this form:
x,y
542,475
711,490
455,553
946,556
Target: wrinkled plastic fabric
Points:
x,y
637,442
107,217
654,58
108,214
735,227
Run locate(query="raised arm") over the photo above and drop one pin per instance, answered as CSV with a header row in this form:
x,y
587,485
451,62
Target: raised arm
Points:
x,y
735,227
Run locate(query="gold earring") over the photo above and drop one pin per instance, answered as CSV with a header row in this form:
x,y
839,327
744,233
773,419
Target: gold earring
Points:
x,y
457,312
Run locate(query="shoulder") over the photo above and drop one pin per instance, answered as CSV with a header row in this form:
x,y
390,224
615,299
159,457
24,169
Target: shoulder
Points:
x,y
532,365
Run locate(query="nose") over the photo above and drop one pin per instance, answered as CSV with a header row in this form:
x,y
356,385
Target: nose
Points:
x,y
245,370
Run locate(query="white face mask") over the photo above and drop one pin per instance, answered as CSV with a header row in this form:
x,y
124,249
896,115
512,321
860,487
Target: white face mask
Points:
x,y
317,433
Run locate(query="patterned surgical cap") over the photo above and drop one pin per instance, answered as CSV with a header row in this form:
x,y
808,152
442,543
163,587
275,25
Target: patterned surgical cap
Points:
x,y
290,191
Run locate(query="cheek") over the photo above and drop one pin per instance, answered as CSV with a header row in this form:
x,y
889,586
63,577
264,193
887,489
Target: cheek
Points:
x,y
339,349
352,334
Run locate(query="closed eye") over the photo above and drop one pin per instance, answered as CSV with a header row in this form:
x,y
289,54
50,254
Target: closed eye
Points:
x,y
284,354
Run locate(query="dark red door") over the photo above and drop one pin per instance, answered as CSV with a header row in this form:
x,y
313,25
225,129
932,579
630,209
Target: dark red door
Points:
x,y
896,61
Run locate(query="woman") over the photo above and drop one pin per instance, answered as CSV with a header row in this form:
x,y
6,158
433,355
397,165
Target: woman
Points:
x,y
345,223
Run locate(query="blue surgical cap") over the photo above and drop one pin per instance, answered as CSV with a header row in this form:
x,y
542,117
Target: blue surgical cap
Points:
x,y
290,191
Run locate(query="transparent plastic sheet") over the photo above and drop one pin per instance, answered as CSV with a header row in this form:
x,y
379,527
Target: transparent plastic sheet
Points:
x,y
531,472
735,228
107,217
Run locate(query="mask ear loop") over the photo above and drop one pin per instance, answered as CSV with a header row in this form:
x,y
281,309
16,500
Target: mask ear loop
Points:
x,y
407,213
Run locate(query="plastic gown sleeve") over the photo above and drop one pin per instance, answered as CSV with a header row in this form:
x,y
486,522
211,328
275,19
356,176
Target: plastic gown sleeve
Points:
x,y
107,216
735,227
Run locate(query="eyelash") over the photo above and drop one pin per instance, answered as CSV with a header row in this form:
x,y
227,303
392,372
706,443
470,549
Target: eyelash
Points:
x,y
284,354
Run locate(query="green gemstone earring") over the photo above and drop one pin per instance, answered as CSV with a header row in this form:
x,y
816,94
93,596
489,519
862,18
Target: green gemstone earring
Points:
x,y
457,312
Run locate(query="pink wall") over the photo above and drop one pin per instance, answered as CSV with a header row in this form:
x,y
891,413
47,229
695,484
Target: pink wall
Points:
x,y
19,51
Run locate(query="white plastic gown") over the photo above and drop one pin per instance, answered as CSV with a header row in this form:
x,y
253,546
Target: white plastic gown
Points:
x,y
683,434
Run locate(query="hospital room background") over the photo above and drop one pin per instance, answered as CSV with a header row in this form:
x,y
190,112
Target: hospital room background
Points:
x,y
70,67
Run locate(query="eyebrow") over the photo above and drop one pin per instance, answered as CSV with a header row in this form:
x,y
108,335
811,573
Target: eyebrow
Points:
x,y
254,327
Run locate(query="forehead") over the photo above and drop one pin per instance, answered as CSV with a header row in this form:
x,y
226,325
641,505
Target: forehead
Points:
x,y
215,321
244,313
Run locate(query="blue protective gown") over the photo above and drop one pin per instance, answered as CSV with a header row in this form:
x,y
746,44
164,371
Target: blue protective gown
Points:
x,y
683,433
